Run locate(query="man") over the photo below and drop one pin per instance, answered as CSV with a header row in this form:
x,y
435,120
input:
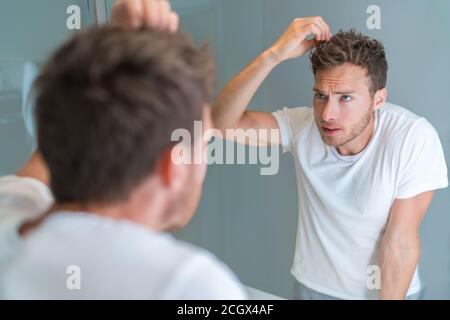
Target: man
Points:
x,y
366,169
107,103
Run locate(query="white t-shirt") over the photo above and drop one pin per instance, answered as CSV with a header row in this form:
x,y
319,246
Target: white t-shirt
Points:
x,y
345,201
105,258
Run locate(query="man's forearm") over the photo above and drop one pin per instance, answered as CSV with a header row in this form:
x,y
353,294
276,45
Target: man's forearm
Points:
x,y
35,168
398,261
232,102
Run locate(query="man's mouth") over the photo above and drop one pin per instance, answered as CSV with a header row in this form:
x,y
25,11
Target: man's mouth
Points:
x,y
330,131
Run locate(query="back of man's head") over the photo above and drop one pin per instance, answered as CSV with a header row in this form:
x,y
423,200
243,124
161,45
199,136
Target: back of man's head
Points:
x,y
107,103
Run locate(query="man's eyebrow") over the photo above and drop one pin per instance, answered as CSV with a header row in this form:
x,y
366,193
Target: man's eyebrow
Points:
x,y
317,90
337,92
345,92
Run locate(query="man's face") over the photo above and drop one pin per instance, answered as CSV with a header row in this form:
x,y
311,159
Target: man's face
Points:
x,y
343,105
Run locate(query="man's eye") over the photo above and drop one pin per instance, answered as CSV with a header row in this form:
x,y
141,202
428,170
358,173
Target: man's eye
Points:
x,y
320,96
346,98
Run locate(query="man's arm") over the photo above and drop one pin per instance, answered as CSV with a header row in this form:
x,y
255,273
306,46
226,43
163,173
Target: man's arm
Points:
x,y
35,168
400,245
229,109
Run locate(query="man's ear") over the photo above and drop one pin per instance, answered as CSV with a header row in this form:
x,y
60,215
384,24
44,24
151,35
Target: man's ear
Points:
x,y
173,176
380,98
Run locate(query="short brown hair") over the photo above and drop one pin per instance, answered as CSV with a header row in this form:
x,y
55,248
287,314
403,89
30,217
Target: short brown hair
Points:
x,y
355,48
107,103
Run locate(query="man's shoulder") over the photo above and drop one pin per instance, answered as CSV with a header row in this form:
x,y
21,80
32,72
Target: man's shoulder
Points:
x,y
400,126
296,112
12,186
21,199
154,259
149,265
202,270
191,272
399,117
294,119
128,243
399,121
112,238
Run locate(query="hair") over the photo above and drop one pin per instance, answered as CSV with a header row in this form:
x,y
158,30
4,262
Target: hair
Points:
x,y
355,48
107,103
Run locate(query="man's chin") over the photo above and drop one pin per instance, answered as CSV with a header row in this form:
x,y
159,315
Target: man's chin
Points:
x,y
332,142
177,225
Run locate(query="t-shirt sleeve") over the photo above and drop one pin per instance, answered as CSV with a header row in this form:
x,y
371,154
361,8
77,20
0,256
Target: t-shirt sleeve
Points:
x,y
204,277
291,121
423,166
21,199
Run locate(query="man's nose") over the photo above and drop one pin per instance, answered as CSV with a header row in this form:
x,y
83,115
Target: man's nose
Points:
x,y
330,112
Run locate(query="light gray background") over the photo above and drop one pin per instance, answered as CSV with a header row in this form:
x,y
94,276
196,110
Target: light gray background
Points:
x,y
248,220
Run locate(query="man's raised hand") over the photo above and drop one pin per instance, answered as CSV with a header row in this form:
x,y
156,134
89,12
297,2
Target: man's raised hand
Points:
x,y
294,42
156,14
